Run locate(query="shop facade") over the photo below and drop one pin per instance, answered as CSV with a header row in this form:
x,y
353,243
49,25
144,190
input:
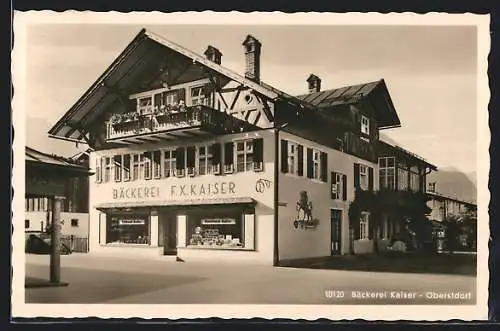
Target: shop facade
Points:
x,y
194,161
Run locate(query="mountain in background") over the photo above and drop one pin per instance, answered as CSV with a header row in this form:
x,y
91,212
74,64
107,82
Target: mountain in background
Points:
x,y
453,182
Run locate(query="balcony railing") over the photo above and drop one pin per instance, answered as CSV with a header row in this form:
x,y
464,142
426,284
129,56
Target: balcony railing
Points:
x,y
197,117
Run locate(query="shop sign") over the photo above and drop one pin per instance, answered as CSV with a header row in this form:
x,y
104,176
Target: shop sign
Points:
x,y
175,191
131,222
218,221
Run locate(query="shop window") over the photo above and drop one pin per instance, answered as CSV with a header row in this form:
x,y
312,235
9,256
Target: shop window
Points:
x,y
169,163
364,226
244,155
117,160
127,229
126,167
216,230
204,160
74,222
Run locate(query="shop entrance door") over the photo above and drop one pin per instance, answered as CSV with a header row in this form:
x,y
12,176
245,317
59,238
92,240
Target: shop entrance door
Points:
x,y
169,235
336,231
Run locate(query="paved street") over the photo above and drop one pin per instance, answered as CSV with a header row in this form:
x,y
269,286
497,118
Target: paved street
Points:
x,y
97,279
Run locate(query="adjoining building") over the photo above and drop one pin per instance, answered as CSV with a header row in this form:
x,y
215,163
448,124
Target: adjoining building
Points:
x,y
49,175
194,160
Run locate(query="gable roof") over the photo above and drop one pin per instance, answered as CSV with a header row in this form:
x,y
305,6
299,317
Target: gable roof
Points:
x,y
140,58
36,157
377,92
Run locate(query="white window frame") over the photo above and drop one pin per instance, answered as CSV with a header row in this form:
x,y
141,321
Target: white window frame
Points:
x,y
363,176
200,98
157,166
402,179
383,181
171,161
148,109
108,169
204,159
364,226
292,157
98,170
118,168
365,125
126,174
316,164
148,165
338,186
246,152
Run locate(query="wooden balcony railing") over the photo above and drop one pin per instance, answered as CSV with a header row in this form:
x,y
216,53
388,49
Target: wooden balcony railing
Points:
x,y
201,117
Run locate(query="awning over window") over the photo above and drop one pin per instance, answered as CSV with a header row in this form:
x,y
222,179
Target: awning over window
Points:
x,y
160,203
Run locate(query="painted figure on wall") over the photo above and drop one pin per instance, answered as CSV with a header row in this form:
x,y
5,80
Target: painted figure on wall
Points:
x,y
304,213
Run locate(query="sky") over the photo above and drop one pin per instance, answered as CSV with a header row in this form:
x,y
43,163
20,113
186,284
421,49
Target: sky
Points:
x,y
430,72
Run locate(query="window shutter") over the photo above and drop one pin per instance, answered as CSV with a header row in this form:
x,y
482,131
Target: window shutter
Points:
x,y
300,160
371,228
309,163
216,153
344,187
258,150
228,153
323,157
284,156
191,159
356,175
370,179
333,185
179,158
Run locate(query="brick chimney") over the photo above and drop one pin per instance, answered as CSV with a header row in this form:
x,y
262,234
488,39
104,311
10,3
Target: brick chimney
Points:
x,y
252,58
314,83
213,54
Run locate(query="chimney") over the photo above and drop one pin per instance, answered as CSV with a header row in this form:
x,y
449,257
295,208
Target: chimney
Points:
x,y
213,54
252,58
314,83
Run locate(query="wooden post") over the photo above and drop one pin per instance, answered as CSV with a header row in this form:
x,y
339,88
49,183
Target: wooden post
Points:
x,y
55,236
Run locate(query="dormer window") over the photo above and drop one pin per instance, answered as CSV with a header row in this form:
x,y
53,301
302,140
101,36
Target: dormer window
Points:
x,y
365,125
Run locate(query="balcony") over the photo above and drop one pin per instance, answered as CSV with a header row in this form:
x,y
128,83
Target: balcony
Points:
x,y
171,124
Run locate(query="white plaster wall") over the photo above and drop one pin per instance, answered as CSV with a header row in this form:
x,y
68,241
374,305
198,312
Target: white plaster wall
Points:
x,y
296,243
66,229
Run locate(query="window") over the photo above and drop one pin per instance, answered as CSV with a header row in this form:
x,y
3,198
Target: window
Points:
x,y
414,179
138,167
126,167
363,176
157,164
387,172
169,163
364,227
147,165
127,229
216,229
292,158
402,179
337,186
98,170
74,222
316,164
145,105
365,125
198,96
244,155
204,160
117,160
107,169
26,224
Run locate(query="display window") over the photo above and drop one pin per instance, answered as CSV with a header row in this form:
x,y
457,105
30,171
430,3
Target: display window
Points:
x,y
216,229
128,229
